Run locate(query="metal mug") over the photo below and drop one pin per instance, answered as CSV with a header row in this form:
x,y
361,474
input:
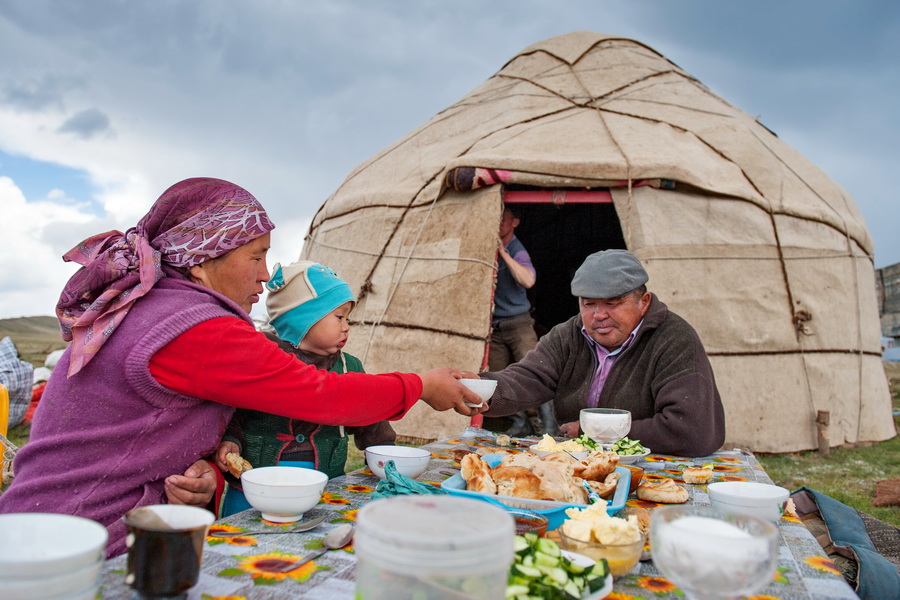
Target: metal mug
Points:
x,y
165,546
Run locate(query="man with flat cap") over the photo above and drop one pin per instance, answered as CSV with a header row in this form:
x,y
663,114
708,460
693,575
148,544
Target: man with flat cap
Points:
x,y
626,350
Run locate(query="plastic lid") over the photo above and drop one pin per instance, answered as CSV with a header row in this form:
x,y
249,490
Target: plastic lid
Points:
x,y
406,534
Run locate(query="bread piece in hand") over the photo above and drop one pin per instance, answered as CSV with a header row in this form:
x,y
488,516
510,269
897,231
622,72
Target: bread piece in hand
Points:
x,y
237,464
697,475
665,492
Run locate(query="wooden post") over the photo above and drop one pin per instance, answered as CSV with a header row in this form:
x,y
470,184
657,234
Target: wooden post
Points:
x,y
822,419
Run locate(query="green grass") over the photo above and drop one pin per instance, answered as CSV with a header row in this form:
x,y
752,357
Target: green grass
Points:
x,y
356,459
18,435
34,337
846,474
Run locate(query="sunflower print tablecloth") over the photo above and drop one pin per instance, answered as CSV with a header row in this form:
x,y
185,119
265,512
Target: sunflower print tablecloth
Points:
x,y
243,567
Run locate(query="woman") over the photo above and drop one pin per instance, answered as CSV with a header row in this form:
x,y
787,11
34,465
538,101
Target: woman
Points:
x,y
163,350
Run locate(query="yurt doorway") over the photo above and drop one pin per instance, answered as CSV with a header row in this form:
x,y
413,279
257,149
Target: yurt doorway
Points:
x,y
560,228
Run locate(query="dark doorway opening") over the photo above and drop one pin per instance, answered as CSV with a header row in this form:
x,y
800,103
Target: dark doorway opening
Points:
x,y
559,235
559,228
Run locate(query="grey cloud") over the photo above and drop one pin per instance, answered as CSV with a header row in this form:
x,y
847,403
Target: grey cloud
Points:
x,y
36,93
86,123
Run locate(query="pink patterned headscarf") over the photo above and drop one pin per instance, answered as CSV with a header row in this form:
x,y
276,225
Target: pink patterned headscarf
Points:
x,y
193,221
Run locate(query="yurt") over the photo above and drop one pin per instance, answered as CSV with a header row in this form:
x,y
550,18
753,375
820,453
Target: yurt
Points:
x,y
602,142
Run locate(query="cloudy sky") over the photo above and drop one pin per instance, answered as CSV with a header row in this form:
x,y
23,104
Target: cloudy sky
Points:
x,y
105,103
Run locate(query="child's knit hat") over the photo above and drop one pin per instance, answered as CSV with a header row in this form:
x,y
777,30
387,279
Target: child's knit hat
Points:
x,y
300,294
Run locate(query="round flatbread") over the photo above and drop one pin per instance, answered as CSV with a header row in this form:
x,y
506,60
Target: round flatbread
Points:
x,y
665,492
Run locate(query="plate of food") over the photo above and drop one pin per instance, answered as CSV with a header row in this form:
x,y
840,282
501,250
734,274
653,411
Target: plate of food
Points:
x,y
513,485
587,562
629,451
542,569
548,445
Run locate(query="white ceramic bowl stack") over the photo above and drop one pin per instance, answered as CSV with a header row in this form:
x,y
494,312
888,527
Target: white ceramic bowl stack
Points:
x,y
760,500
411,462
283,494
46,556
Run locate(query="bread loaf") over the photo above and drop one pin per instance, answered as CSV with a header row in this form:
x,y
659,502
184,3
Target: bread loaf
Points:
x,y
697,475
665,492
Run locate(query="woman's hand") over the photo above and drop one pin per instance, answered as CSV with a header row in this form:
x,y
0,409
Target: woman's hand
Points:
x,y
195,488
441,390
223,449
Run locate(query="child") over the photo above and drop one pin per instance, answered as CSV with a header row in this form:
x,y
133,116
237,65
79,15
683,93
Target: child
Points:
x,y
308,306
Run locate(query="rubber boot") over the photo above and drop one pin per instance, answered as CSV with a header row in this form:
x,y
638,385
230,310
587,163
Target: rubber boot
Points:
x,y
548,417
520,426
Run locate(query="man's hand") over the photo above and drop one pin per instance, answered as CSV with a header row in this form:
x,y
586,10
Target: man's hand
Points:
x,y
571,430
223,449
441,390
195,488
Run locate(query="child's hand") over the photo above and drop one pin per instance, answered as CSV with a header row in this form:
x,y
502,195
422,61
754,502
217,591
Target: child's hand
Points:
x,y
223,449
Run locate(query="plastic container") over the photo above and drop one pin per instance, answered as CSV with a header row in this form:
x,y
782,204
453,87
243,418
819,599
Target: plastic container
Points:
x,y
435,547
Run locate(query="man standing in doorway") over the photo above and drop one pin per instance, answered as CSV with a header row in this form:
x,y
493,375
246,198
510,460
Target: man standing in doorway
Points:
x,y
512,333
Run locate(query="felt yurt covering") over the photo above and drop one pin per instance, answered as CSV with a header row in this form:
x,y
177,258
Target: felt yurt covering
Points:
x,y
745,238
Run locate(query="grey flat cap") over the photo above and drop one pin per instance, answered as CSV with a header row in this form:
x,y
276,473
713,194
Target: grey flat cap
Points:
x,y
608,274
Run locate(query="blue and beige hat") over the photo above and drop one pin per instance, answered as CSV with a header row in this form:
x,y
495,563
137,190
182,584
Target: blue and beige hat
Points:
x,y
300,294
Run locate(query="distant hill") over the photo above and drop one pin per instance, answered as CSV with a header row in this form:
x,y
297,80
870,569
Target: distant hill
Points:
x,y
29,325
34,337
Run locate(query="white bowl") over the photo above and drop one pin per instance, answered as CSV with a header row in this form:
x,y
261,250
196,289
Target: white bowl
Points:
x,y
760,500
38,544
629,459
49,586
577,455
483,387
411,462
283,494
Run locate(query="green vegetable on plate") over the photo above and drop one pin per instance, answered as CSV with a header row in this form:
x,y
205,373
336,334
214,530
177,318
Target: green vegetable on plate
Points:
x,y
628,447
587,442
541,571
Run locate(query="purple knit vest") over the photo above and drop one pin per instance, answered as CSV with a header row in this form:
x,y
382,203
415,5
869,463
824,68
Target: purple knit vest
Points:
x,y
104,440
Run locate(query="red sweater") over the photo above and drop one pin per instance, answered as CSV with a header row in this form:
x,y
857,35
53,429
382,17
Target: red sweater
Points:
x,y
250,371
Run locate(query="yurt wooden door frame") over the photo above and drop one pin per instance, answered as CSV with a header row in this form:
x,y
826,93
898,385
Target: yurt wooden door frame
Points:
x,y
560,228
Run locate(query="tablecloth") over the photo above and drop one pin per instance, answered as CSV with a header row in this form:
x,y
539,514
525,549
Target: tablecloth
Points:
x,y
238,568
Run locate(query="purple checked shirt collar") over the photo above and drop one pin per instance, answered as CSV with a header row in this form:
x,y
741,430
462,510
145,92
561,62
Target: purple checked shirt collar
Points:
x,y
605,360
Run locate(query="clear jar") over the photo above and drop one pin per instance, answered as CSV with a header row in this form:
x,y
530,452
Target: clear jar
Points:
x,y
432,548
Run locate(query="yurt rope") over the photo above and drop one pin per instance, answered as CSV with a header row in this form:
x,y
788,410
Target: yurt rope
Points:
x,y
424,258
398,279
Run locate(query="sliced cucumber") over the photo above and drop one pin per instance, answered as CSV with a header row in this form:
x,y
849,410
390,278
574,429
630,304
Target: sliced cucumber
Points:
x,y
541,571
526,571
548,547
